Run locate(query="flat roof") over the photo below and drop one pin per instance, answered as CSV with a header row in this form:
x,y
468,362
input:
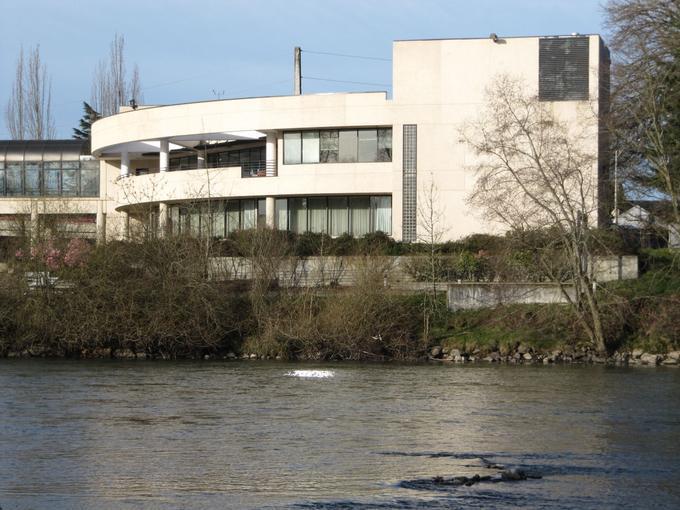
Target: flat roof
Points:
x,y
500,36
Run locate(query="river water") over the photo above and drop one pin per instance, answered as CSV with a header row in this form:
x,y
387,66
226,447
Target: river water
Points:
x,y
117,435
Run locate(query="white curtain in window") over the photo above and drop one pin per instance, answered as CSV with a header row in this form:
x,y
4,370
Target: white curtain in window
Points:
x,y
217,219
382,214
292,149
248,214
282,213
298,215
310,147
337,210
360,215
317,214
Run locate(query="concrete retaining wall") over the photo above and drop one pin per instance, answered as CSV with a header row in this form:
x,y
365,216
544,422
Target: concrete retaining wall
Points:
x,y
468,296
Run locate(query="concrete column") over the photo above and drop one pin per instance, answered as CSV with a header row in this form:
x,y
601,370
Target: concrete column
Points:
x,y
164,156
163,223
101,222
270,212
270,154
124,164
201,160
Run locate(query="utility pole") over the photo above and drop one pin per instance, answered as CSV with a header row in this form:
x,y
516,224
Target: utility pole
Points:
x,y
297,64
616,187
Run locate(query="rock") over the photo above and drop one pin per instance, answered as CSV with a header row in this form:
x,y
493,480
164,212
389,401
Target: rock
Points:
x,y
522,349
206,357
436,351
527,357
231,355
488,359
598,359
459,359
141,355
125,354
455,353
547,360
513,475
278,357
504,350
446,350
650,359
669,361
637,353
675,355
495,356
253,356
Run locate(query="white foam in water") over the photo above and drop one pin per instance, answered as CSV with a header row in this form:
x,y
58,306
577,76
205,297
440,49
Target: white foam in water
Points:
x,y
312,374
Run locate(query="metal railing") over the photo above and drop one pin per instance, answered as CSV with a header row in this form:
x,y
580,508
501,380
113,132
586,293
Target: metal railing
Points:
x,y
262,168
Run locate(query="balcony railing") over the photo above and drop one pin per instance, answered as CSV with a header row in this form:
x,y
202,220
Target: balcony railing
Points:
x,y
248,169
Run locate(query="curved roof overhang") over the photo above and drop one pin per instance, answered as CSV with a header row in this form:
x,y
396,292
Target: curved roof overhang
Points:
x,y
188,125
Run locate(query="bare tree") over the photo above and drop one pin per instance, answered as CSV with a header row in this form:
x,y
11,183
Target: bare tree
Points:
x,y
29,109
111,88
430,234
645,35
535,173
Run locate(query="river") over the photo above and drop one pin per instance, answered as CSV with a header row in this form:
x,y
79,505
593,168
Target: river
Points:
x,y
190,435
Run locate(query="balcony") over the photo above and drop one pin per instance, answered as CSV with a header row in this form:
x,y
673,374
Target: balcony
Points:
x,y
260,168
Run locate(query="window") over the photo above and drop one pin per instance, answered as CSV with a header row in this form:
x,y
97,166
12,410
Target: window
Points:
x,y
292,148
297,215
51,174
368,145
310,147
89,178
338,146
69,178
328,146
348,146
14,179
233,210
2,178
282,213
338,216
261,213
248,214
317,214
32,178
384,145
217,219
381,214
359,208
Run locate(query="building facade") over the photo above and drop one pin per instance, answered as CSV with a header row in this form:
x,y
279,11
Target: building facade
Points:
x,y
336,163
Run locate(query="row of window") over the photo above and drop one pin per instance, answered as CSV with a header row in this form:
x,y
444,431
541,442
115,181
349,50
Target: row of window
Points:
x,y
50,178
334,215
337,146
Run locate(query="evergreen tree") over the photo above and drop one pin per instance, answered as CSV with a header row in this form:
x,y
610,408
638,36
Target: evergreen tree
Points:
x,y
83,131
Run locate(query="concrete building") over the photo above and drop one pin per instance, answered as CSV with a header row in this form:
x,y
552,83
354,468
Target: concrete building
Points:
x,y
335,163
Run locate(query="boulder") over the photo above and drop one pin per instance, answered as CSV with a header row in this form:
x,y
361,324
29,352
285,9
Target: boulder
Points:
x,y
231,355
253,356
125,354
669,361
522,349
455,353
436,351
513,475
637,353
673,355
650,359
527,356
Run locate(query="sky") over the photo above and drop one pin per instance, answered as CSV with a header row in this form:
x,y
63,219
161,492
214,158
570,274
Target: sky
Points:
x,y
208,49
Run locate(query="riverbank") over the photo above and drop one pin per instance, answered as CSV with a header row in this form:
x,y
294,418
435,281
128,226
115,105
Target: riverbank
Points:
x,y
160,300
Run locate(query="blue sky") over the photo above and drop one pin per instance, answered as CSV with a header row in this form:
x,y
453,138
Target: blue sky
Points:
x,y
188,49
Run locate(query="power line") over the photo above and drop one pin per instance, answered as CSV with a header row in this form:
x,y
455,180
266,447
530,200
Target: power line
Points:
x,y
345,55
347,81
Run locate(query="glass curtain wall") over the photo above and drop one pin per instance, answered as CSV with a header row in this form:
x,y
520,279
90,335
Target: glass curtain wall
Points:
x,y
49,178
